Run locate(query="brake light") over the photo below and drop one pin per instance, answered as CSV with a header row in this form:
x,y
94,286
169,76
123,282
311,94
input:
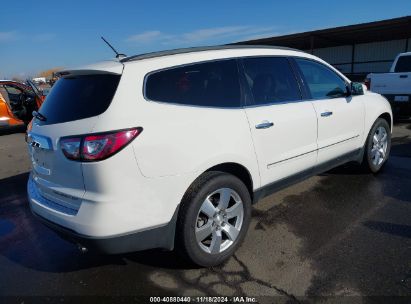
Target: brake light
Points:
x,y
99,146
367,83
71,147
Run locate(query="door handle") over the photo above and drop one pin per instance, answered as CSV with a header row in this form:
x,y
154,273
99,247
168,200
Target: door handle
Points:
x,y
264,125
403,76
326,114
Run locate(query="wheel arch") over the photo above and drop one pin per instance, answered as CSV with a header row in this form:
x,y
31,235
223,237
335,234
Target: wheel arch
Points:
x,y
376,106
238,171
388,118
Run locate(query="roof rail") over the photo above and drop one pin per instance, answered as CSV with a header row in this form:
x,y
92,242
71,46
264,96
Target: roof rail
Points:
x,y
201,49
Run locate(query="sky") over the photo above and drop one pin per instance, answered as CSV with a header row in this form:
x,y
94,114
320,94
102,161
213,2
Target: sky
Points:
x,y
42,34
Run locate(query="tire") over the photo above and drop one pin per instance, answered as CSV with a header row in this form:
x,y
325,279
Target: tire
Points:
x,y
200,227
376,149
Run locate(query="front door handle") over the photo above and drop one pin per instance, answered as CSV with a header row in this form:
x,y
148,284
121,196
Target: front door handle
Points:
x,y
264,125
326,114
404,76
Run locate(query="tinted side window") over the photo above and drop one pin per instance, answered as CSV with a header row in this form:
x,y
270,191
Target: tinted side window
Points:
x,y
403,64
271,80
322,81
210,84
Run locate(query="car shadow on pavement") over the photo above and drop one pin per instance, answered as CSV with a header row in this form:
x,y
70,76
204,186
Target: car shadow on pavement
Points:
x,y
25,240
350,250
160,258
394,229
401,147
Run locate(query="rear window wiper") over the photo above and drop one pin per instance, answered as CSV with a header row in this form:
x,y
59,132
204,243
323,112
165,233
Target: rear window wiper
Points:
x,y
39,116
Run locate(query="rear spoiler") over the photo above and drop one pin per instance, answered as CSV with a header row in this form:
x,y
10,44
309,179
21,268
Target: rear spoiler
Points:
x,y
104,67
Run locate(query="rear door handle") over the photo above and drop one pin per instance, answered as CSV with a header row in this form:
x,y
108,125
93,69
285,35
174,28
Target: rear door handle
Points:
x,y
326,114
264,125
403,76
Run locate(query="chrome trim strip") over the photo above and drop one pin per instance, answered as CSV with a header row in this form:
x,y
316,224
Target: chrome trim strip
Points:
x,y
339,142
292,157
265,190
299,155
39,141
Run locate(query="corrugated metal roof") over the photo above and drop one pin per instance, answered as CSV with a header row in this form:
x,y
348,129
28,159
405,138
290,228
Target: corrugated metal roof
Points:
x,y
390,29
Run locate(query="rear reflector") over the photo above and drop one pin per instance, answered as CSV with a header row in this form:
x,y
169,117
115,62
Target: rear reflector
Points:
x,y
99,146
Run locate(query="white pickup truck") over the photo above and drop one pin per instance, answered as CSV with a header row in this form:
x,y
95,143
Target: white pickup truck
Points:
x,y
395,85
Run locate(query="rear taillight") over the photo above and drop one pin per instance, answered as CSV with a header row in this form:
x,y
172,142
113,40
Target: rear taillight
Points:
x,y
71,147
99,146
367,83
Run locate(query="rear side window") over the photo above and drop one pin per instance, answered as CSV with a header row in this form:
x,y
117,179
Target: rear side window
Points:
x,y
209,84
322,82
79,97
271,80
403,64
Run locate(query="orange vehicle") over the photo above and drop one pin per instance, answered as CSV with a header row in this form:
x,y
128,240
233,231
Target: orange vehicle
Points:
x,y
17,102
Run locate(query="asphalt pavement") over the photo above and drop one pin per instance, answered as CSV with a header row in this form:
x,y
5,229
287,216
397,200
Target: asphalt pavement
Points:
x,y
341,233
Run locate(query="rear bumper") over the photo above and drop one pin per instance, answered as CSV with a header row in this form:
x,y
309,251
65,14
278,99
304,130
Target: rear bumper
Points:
x,y
160,237
65,221
399,109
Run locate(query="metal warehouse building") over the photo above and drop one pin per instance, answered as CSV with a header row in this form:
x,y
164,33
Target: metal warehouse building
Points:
x,y
355,50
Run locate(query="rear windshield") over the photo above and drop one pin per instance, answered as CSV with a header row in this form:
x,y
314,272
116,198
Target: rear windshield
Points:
x,y
79,97
403,64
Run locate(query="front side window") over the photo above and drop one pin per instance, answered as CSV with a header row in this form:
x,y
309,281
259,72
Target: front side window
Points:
x,y
271,80
322,82
208,84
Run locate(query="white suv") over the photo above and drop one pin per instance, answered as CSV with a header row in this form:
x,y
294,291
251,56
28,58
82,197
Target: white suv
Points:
x,y
170,149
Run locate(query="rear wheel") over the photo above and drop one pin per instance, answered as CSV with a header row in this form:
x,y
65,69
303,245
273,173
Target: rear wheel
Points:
x,y
377,146
213,219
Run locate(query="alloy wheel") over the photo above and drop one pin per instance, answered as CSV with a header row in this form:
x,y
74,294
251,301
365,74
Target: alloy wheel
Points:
x,y
219,220
379,146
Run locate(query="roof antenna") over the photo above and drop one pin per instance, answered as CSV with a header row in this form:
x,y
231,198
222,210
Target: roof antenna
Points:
x,y
118,55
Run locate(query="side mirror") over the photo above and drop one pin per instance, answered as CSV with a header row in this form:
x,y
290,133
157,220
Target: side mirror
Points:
x,y
348,90
357,88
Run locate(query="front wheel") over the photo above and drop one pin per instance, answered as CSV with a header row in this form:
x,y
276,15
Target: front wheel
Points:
x,y
213,219
377,146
